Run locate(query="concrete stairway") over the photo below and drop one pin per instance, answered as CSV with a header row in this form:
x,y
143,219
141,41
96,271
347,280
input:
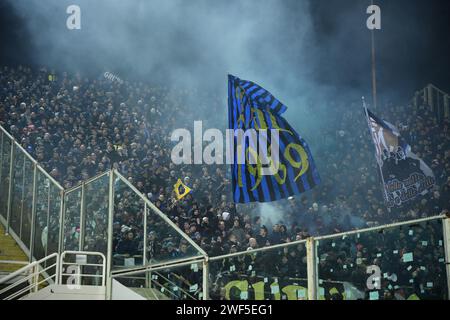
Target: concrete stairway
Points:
x,y
9,250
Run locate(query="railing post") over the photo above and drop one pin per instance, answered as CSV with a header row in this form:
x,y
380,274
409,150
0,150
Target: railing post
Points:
x,y
82,217
57,269
416,100
22,200
11,178
205,278
110,236
33,212
430,97
61,268
446,236
36,278
311,262
144,254
148,279
48,217
61,222
424,94
446,106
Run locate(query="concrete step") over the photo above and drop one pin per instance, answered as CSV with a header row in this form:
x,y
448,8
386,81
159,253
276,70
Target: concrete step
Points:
x,y
7,267
13,257
10,250
8,242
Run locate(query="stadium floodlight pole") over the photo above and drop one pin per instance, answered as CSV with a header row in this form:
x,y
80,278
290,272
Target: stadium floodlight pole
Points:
x,y
374,71
371,134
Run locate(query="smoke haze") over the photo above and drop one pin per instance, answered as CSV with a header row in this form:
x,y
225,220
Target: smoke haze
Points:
x,y
313,55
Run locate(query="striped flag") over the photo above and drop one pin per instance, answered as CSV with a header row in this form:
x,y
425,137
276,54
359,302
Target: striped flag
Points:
x,y
252,107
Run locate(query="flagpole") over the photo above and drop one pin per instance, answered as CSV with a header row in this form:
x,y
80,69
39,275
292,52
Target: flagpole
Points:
x,y
370,131
374,72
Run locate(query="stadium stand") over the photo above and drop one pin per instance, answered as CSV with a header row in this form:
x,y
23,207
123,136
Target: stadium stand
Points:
x,y
78,129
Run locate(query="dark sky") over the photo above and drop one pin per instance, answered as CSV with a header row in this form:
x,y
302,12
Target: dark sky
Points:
x,y
412,47
13,36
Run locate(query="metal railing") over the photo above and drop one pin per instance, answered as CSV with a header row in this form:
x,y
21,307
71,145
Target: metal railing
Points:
x,y
437,232
81,262
30,200
436,99
36,275
45,219
13,262
230,265
170,285
43,272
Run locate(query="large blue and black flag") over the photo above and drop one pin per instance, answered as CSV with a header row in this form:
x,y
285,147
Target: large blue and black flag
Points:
x,y
252,107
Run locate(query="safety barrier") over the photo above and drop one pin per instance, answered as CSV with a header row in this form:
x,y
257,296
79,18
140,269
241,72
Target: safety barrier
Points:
x,y
45,219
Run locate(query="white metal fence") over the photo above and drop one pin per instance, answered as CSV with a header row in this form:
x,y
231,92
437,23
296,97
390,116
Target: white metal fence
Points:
x,y
71,268
404,260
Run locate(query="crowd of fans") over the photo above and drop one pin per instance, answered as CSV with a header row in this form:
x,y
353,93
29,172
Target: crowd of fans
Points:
x,y
77,128
404,263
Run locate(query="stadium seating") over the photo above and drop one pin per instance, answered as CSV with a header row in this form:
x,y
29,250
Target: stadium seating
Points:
x,y
98,179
